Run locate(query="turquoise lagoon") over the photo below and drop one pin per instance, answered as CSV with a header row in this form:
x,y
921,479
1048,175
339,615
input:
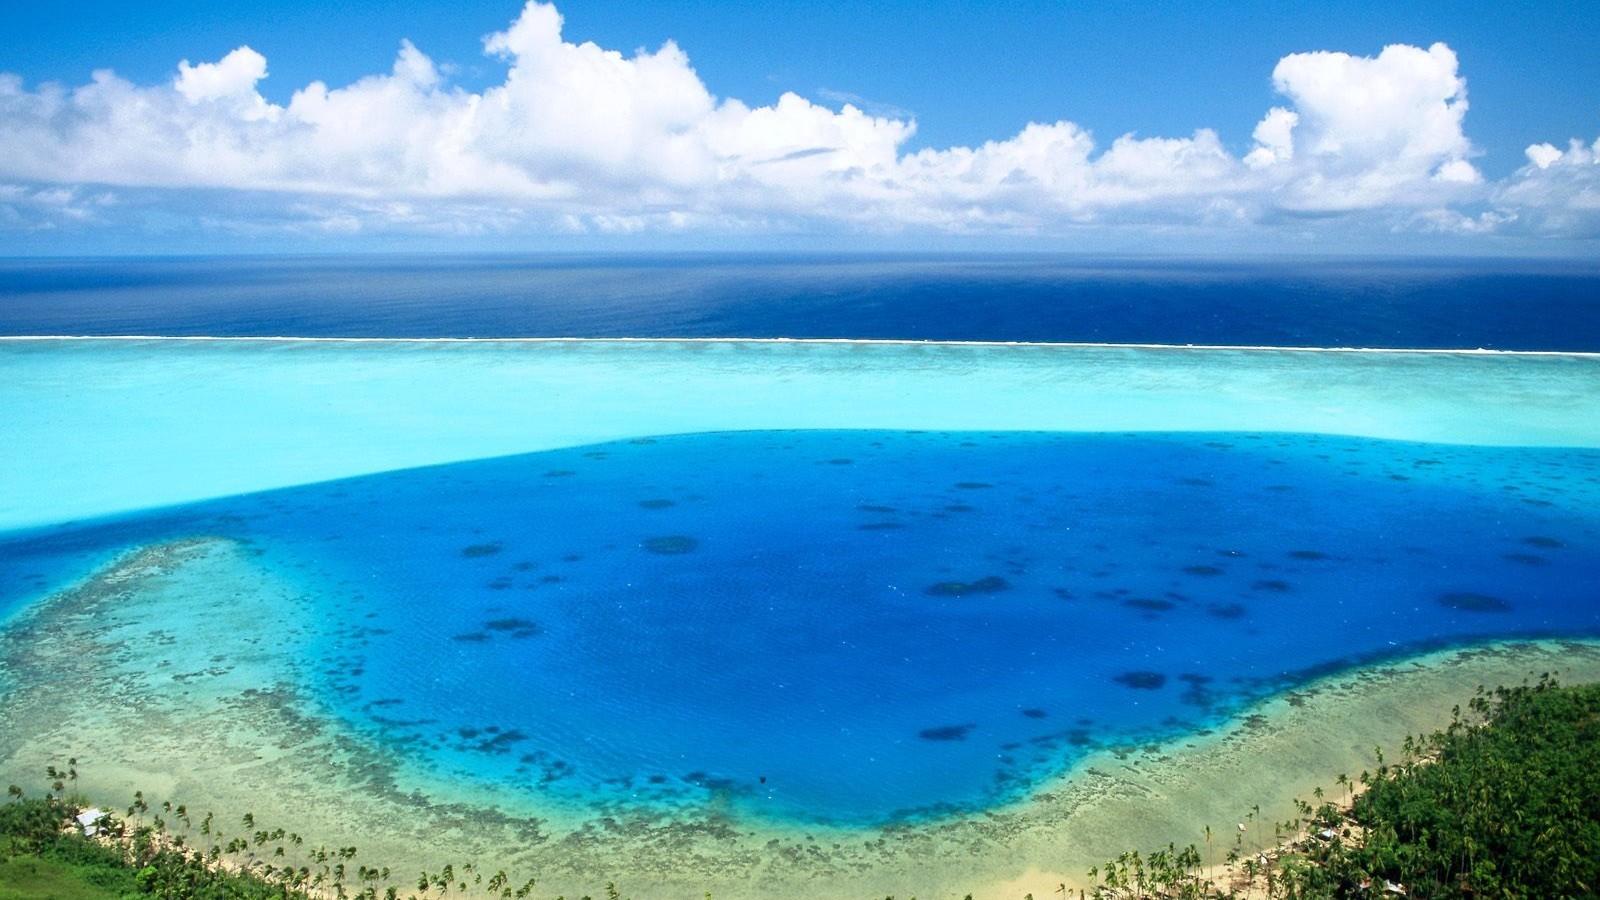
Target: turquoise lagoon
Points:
x,y
805,584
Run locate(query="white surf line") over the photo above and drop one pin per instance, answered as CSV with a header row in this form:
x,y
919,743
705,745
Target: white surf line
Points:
x,y
893,342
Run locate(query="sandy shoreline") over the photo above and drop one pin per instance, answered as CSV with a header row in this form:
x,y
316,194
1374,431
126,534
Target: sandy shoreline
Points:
x,y
219,722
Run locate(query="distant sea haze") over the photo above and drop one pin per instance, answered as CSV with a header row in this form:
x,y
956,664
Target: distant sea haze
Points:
x,y
1500,305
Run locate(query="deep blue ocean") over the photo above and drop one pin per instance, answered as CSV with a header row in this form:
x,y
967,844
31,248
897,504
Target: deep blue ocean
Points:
x,y
1506,305
864,626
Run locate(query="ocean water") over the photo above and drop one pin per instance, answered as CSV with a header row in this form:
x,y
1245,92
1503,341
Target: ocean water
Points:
x,y
853,583
1455,304
869,626
102,427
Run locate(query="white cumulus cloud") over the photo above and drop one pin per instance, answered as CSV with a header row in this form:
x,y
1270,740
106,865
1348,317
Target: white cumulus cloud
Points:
x,y
1558,189
1274,137
1367,132
578,138
235,75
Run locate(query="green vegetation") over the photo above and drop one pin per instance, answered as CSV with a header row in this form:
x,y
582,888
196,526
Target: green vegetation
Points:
x,y
1504,803
165,853
36,878
43,854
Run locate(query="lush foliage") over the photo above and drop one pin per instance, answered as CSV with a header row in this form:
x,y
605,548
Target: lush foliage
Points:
x,y
164,852
43,855
1506,808
1504,802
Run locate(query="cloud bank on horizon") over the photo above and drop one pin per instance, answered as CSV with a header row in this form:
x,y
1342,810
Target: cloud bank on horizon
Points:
x,y
580,139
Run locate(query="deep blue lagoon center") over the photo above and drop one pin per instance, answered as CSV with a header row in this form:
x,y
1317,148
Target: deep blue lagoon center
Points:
x,y
871,626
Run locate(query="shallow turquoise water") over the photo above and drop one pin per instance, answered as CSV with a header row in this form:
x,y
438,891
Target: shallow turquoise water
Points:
x,y
97,427
859,626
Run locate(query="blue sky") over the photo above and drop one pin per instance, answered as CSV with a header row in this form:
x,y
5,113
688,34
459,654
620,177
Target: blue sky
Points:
x,y
965,73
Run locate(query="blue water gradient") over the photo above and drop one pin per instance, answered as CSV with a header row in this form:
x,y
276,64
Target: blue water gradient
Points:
x,y
1494,304
863,626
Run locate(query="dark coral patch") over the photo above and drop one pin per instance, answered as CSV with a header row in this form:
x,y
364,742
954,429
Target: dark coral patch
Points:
x,y
476,637
1150,605
1470,602
1203,571
1035,713
1271,584
989,585
670,544
1226,610
1539,540
1143,681
1310,555
517,628
509,623
1196,694
479,550
946,732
